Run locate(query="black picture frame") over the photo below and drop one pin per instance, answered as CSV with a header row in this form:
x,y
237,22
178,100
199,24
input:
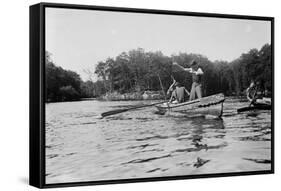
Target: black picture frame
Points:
x,y
37,93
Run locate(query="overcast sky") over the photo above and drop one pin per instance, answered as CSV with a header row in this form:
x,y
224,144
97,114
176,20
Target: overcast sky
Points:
x,y
78,39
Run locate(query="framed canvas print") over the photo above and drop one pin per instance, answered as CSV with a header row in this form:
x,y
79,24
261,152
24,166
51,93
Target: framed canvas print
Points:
x,y
123,95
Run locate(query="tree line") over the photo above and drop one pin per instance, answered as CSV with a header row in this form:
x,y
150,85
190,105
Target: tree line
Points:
x,y
64,85
138,71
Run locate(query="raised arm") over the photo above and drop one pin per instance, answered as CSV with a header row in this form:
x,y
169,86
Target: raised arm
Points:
x,y
182,68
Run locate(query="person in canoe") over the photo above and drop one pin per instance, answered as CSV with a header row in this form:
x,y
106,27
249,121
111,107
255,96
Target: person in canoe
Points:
x,y
255,93
177,92
251,92
197,73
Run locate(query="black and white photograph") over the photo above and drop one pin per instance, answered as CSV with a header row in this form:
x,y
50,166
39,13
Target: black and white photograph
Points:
x,y
135,95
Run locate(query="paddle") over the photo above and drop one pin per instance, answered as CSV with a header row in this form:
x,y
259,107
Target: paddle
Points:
x,y
113,112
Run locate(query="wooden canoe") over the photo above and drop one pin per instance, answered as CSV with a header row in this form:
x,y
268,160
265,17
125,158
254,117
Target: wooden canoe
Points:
x,y
256,106
210,105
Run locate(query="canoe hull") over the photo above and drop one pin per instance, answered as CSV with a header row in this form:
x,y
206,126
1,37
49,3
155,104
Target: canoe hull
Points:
x,y
255,107
212,105
214,110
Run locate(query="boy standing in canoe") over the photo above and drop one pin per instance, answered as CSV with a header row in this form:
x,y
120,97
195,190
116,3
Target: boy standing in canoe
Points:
x,y
197,72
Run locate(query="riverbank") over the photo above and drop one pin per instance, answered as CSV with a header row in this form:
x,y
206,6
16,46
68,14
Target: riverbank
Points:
x,y
146,95
138,96
115,96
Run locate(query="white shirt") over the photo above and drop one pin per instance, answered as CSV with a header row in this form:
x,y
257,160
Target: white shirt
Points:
x,y
199,71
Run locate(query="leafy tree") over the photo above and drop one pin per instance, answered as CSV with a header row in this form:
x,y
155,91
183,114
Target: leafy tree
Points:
x,y
61,85
68,93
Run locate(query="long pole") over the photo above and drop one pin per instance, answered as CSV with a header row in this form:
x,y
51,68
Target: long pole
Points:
x,y
162,87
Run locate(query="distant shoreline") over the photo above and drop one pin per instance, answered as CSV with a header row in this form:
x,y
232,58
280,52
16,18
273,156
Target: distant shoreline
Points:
x,y
242,97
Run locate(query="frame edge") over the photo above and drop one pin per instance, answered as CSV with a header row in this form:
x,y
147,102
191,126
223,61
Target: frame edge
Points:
x,y
35,146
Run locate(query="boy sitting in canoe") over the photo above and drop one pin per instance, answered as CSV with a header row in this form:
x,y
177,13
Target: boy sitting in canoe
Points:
x,y
177,92
255,94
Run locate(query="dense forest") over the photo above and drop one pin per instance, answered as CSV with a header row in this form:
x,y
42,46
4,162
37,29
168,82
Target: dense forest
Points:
x,y
65,85
138,71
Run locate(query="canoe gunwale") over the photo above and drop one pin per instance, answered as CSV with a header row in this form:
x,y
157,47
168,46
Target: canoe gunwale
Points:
x,y
199,103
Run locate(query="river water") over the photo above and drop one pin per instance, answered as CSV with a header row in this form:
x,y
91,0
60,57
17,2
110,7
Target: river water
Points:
x,y
138,144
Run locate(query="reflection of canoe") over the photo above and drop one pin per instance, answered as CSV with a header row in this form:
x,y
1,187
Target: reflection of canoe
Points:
x,y
256,106
211,105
